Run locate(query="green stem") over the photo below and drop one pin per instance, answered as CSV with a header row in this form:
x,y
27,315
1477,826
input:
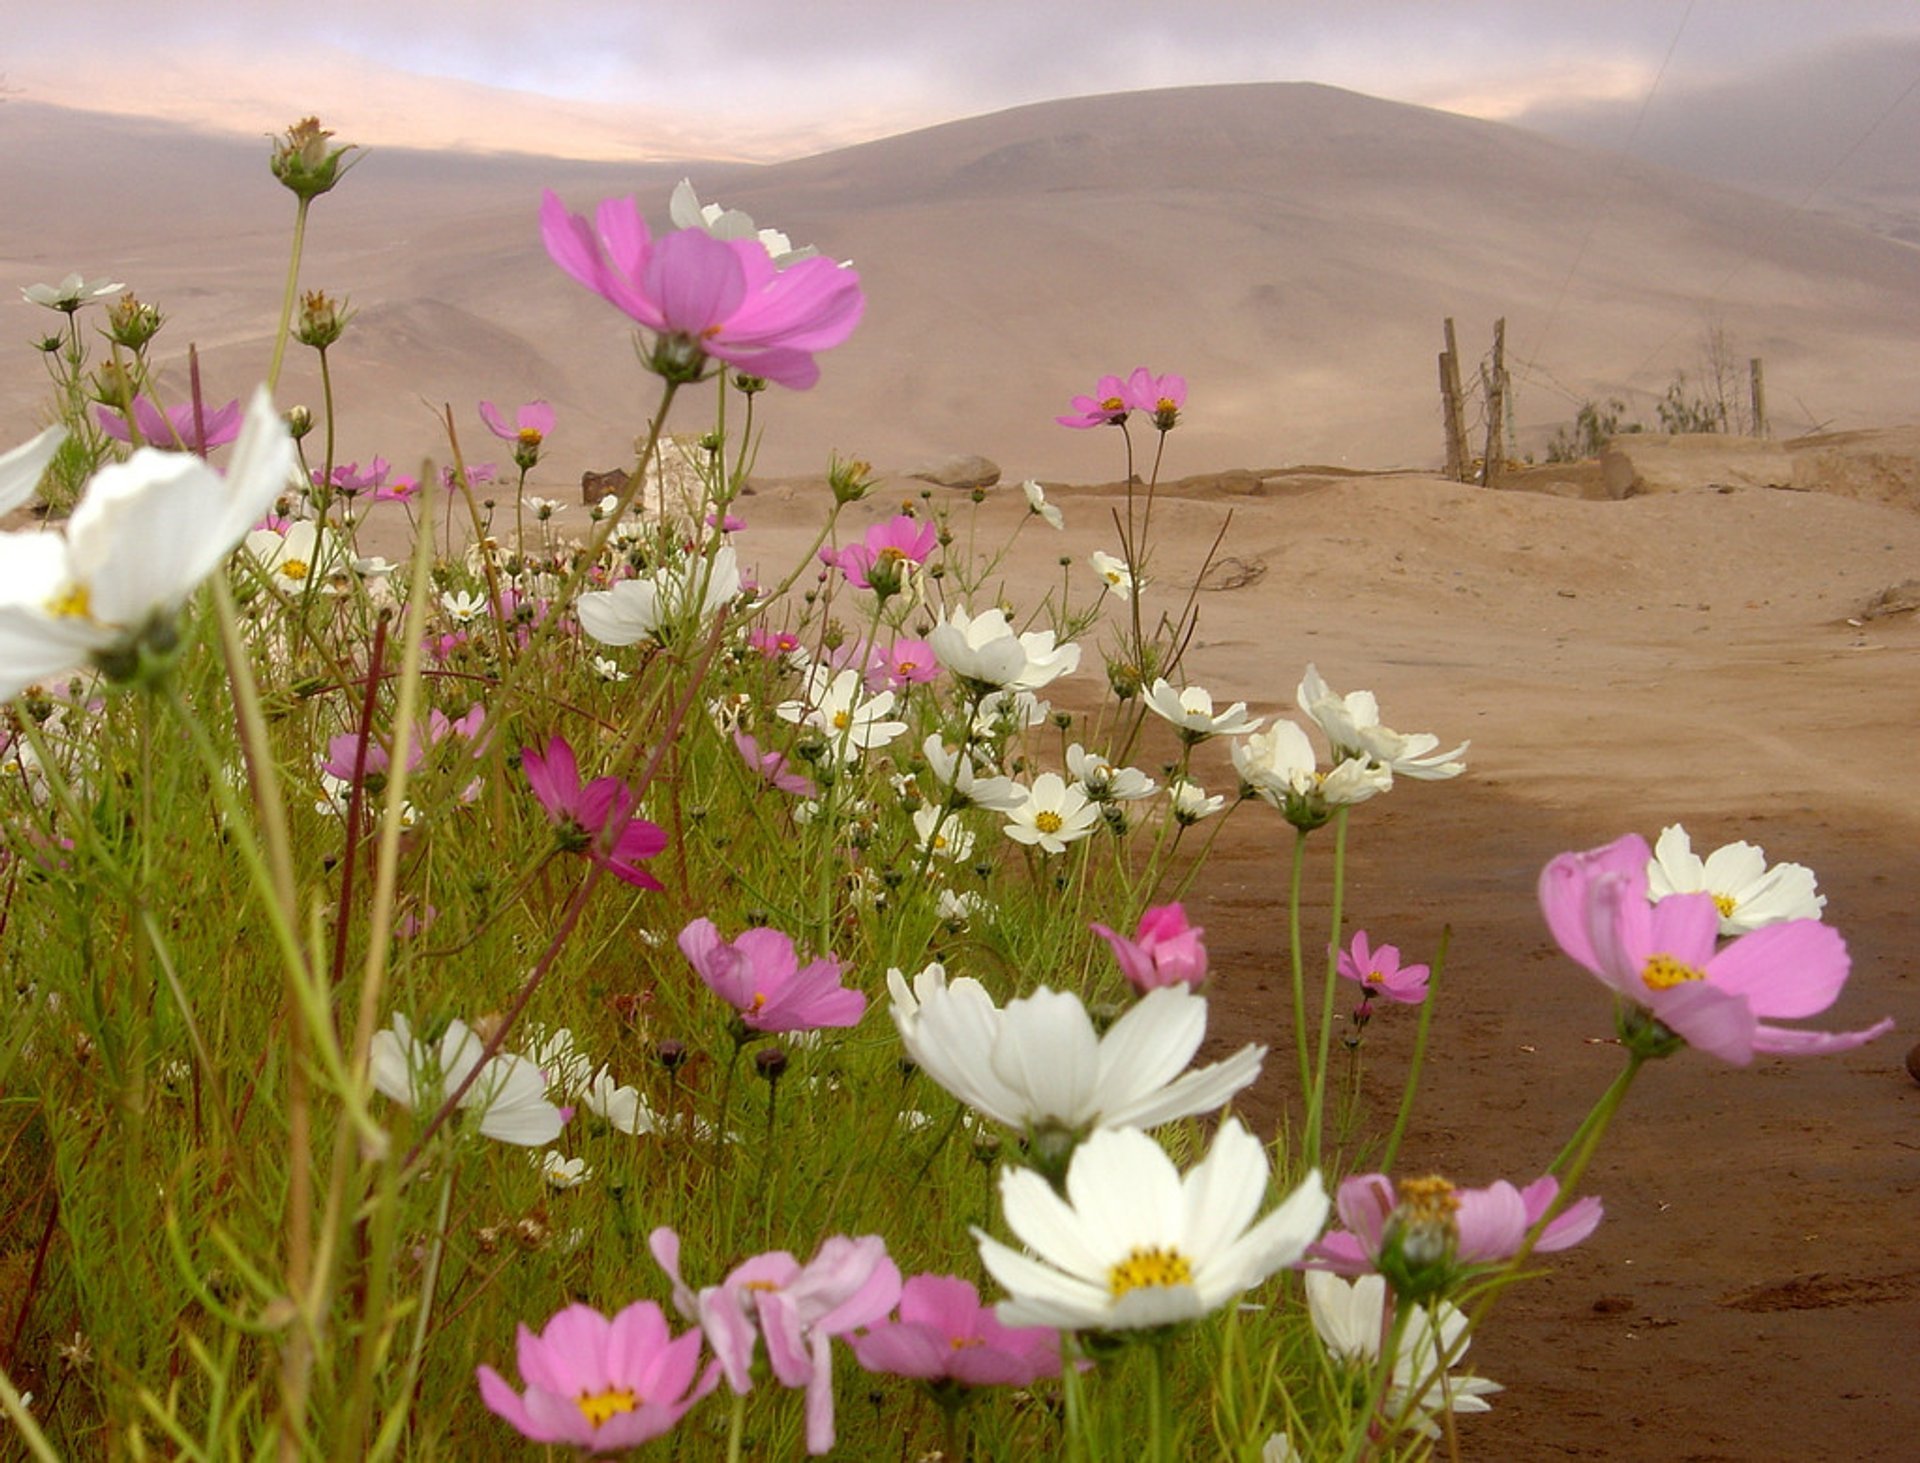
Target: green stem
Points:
x,y
1161,1445
1298,965
1316,1106
736,1427
326,400
286,301
1419,1054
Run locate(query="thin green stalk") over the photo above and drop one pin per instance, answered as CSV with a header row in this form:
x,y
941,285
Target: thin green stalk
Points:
x,y
1160,1439
388,1438
1298,964
286,302
736,1427
1405,1114
1316,1104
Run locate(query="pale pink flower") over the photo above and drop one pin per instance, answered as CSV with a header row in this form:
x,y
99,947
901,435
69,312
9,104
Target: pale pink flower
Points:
x,y
759,975
529,427
349,481
1160,397
1379,972
1165,950
1667,960
706,297
1483,1226
1107,407
906,662
882,559
773,767
176,427
944,1334
601,1385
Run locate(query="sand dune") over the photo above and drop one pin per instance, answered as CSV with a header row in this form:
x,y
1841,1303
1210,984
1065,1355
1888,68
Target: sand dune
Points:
x,y
1291,248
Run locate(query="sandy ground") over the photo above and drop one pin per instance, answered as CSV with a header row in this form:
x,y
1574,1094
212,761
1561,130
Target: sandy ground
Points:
x,y
1618,665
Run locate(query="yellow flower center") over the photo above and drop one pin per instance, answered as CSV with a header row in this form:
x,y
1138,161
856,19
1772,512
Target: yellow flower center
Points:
x,y
1725,904
1430,1200
600,1408
966,1343
1167,403
71,603
295,568
1152,1267
1113,403
530,437
1663,973
841,721
1048,822
759,1001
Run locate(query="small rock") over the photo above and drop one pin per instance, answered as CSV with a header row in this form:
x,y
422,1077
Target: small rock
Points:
x,y
960,471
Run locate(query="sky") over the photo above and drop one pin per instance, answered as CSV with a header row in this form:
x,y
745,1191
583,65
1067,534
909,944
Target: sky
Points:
x,y
769,79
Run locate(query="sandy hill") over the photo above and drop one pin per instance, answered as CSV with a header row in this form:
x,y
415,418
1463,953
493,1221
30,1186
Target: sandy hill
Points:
x,y
1291,248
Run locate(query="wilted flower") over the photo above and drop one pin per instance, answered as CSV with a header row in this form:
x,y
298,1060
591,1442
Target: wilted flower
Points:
x,y
528,430
132,324
322,321
1133,1244
600,1385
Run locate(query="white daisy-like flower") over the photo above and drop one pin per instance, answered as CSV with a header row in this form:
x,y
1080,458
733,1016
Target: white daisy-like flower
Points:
x,y
508,1095
1038,505
1104,782
1134,1244
1006,712
1747,892
1191,713
544,508
560,1059
620,1107
144,535
648,604
985,650
833,704
71,293
1038,1065
1190,801
1352,724
938,831
559,1171
1056,813
688,212
1280,766
607,669
463,605
955,907
1114,574
297,561
1351,1318
960,781
22,468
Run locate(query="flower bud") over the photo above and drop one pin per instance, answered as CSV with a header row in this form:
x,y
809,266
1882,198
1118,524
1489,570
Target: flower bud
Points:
x,y
323,320
299,422
304,163
849,480
132,324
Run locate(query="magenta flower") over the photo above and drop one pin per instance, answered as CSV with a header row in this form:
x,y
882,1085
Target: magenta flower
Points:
x,y
944,1334
799,1309
1666,959
906,662
175,427
401,490
529,427
772,767
707,297
601,1385
881,560
1380,973
774,644
759,975
597,819
1107,407
349,481
1165,950
1160,397
1429,1222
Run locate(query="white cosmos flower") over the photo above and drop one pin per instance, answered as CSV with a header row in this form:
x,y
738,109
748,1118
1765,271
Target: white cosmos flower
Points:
x,y
621,1107
938,830
145,533
1352,724
22,468
1006,712
1351,1318
1192,715
1055,813
961,783
687,212
71,293
1104,782
1038,505
298,560
1113,573
1747,892
1135,1245
606,668
463,604
648,604
559,1171
832,703
1191,803
509,1094
1279,765
1039,1065
985,649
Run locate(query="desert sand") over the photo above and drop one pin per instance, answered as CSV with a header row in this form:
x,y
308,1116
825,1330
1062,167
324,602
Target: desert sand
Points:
x,y
1694,656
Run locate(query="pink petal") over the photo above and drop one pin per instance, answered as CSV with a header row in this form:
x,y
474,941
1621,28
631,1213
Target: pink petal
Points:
x,y
1786,1042
1785,970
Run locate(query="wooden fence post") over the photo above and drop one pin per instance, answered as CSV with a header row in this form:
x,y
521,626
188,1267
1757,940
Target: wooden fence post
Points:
x,y
1453,410
1757,387
1496,393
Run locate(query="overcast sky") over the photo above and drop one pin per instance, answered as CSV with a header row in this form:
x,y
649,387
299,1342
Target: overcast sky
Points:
x,y
776,78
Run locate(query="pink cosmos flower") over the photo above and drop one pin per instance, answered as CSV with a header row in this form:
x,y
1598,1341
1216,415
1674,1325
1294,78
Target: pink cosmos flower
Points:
x,y
596,819
1107,407
1160,397
944,1334
480,474
174,427
774,644
759,975
348,480
529,427
401,490
1380,973
1667,960
707,297
880,560
598,1384
907,662
1489,1225
1165,950
799,1309
772,767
